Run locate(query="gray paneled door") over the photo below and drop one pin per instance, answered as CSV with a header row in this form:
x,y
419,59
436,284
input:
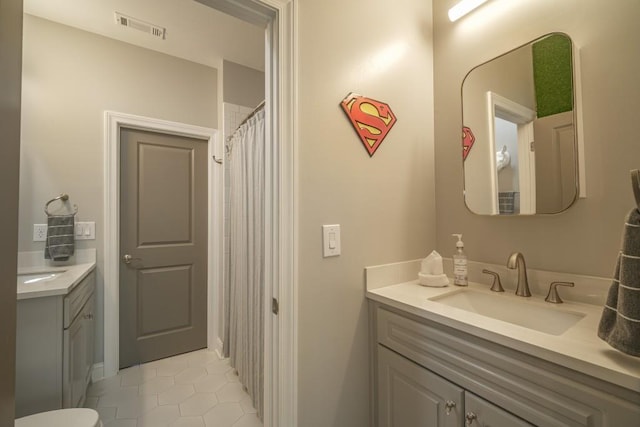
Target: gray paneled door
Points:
x,y
163,245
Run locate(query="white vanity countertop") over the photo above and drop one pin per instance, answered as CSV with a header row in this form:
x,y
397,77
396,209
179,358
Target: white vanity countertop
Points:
x,y
579,348
70,276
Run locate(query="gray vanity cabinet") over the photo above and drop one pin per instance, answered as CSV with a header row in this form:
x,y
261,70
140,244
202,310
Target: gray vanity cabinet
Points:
x,y
412,396
424,373
54,349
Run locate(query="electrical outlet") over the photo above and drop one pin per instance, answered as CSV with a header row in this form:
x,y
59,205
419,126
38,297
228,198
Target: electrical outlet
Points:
x,y
39,232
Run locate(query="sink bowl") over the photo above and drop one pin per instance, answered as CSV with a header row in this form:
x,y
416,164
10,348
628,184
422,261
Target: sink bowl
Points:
x,y
31,279
515,310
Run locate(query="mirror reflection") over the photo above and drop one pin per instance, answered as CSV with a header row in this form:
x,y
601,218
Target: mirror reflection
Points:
x,y
519,141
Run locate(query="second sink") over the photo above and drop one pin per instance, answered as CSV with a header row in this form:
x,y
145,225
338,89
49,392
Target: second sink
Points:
x,y
528,314
28,279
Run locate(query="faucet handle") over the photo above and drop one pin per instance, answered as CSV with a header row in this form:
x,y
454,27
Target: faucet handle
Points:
x,y
496,286
553,296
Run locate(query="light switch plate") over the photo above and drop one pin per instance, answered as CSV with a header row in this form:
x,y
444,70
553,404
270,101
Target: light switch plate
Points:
x,y
85,230
331,240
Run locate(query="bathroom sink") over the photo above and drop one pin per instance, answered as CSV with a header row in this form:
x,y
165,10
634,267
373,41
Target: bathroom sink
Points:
x,y
31,279
516,310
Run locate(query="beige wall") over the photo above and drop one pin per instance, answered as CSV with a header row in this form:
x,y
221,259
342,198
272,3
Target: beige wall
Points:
x,y
10,71
585,239
70,77
384,204
242,85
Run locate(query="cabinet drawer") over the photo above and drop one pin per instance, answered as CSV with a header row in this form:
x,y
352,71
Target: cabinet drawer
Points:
x,y
538,391
76,299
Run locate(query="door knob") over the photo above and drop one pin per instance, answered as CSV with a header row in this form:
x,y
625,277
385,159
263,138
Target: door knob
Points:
x,y
128,258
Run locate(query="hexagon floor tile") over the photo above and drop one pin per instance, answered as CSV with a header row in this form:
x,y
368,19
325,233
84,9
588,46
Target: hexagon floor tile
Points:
x,y
198,404
188,390
223,415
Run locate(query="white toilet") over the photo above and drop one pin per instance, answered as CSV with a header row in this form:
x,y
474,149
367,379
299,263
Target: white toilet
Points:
x,y
73,417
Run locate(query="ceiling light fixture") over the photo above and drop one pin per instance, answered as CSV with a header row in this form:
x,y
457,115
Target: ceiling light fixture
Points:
x,y
462,8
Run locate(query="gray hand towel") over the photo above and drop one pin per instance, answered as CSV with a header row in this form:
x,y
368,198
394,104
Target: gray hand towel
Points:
x,y
60,242
620,321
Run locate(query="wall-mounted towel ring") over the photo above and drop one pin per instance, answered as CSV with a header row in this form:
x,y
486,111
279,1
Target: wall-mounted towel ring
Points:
x,y
635,184
63,197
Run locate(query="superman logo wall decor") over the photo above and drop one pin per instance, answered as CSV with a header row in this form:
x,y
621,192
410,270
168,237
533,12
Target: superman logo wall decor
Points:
x,y
467,141
371,119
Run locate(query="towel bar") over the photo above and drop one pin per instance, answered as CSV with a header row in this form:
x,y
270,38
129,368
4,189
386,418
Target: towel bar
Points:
x,y
63,197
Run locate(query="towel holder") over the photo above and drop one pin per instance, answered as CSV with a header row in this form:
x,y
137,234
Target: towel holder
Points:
x,y
635,184
62,197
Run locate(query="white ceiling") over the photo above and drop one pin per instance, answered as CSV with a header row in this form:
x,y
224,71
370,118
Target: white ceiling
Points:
x,y
195,32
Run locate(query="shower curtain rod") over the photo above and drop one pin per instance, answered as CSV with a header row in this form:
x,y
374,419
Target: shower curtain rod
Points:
x,y
253,113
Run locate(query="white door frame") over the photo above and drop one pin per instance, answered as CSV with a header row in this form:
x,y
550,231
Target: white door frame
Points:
x,y
281,361
281,260
113,123
504,108
281,168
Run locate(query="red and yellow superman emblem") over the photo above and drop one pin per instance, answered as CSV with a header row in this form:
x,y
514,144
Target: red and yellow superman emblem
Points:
x,y
371,119
467,141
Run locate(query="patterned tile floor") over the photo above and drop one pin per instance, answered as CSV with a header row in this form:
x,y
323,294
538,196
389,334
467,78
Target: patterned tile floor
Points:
x,y
189,390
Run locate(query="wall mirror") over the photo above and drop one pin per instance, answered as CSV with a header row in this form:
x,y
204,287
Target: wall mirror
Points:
x,y
519,131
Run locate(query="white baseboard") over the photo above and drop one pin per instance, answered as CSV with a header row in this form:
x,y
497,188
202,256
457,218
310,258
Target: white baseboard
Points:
x,y
218,348
97,373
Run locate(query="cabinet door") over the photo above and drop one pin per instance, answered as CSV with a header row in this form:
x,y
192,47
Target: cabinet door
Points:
x,y
411,396
75,344
480,413
39,355
89,325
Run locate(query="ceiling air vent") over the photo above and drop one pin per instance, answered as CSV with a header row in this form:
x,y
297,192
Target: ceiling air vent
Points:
x,y
136,24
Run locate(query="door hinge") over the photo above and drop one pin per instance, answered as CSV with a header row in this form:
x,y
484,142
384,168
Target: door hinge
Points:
x,y
532,146
275,307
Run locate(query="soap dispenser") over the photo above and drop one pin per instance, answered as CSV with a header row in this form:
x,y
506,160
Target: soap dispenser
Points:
x,y
459,263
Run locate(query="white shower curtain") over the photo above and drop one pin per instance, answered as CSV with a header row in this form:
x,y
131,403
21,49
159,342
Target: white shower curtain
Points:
x,y
245,283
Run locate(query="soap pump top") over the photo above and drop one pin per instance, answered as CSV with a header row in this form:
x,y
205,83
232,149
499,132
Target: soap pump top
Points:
x,y
459,263
459,243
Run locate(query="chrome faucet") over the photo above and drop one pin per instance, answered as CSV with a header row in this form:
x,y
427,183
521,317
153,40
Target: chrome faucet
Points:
x,y
516,260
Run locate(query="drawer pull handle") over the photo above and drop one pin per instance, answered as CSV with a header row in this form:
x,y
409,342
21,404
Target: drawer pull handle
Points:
x,y
449,406
470,418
